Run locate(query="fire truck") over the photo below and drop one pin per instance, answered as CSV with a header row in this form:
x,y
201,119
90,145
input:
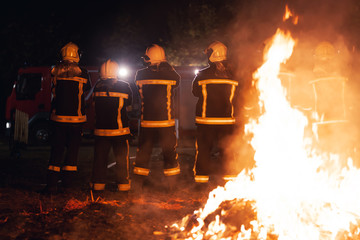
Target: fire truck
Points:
x,y
31,96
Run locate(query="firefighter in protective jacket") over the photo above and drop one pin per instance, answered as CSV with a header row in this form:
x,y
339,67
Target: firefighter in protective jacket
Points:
x,y
112,98
215,89
156,84
69,84
330,107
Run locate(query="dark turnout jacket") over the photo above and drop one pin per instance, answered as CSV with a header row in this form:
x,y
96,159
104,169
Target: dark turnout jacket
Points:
x,y
216,89
156,86
69,82
112,97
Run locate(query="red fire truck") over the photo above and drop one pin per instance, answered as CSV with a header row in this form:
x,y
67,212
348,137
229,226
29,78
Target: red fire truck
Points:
x,y
31,94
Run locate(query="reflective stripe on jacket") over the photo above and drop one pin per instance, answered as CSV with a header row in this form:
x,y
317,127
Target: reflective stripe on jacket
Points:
x,y
69,83
216,95
111,98
156,86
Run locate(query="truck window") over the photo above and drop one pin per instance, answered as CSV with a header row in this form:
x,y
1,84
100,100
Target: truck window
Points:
x,y
27,85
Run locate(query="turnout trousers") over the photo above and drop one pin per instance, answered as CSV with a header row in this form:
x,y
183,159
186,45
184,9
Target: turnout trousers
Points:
x,y
120,146
66,136
209,137
166,137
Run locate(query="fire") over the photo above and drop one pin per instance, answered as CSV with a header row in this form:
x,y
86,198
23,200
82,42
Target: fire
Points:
x,y
288,14
291,189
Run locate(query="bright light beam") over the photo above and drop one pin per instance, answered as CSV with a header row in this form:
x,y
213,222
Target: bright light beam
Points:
x,y
123,72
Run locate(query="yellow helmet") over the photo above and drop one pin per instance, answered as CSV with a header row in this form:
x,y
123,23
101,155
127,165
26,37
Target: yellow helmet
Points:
x,y
216,52
324,51
70,52
154,54
109,69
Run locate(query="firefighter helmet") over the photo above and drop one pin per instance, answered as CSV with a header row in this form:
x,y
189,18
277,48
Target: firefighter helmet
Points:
x,y
70,52
324,51
154,54
109,69
216,52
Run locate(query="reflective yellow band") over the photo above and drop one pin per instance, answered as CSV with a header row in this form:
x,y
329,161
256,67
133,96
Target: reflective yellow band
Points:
x,y
98,186
204,93
329,79
79,99
68,119
229,177
201,178
75,79
121,104
168,102
54,168
330,122
124,187
155,81
218,81
111,94
166,123
231,99
286,74
111,132
172,171
69,168
141,171
217,121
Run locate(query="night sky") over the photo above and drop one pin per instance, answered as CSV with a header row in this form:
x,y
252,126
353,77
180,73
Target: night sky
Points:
x,y
86,24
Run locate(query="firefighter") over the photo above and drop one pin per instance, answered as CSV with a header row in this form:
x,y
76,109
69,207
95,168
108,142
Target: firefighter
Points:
x,y
112,99
330,110
156,84
69,84
216,91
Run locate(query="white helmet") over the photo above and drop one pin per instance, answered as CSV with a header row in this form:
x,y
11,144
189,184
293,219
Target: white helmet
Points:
x,y
154,54
109,69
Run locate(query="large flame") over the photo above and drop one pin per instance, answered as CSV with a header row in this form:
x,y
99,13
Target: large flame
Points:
x,y
293,192
288,14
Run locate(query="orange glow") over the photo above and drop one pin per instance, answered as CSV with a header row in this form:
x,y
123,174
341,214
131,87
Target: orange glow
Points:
x,y
297,191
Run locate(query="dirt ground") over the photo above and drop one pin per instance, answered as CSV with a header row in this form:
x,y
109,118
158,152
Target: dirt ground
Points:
x,y
142,214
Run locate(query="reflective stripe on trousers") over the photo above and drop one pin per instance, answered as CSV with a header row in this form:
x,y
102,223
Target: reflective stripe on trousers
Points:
x,y
172,171
141,171
201,178
124,187
69,168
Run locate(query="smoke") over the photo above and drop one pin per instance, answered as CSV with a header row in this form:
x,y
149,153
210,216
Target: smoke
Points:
x,y
336,22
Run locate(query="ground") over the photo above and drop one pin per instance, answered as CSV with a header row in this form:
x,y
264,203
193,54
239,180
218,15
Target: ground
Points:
x,y
142,214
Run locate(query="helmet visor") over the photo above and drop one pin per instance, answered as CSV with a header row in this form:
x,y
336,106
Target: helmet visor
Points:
x,y
146,58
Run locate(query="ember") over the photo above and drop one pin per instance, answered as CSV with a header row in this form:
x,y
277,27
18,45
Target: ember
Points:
x,y
74,204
